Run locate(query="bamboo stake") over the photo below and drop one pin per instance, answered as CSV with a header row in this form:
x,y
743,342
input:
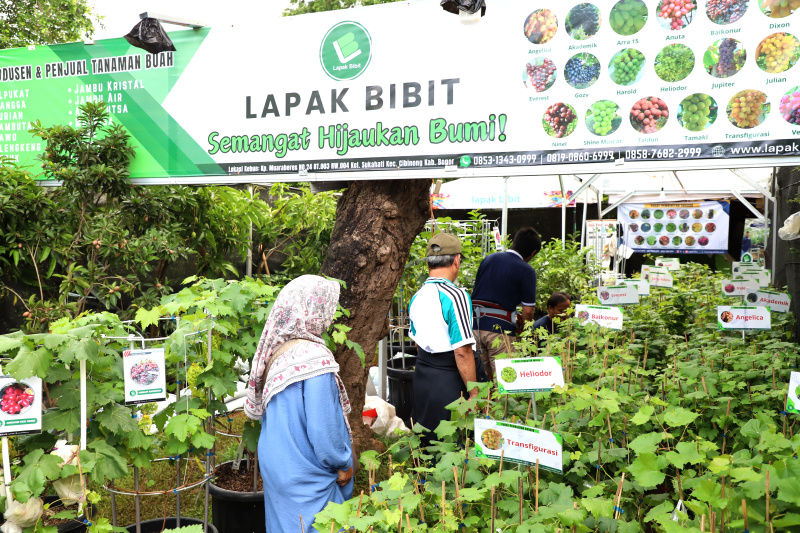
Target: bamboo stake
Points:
x,y
644,364
702,524
725,431
421,508
619,497
597,476
390,465
400,505
505,409
713,527
492,511
529,411
544,420
333,524
466,460
703,380
744,511
680,487
768,494
722,518
444,500
520,501
302,528
610,434
408,521
502,455
616,370
536,501
358,512
458,495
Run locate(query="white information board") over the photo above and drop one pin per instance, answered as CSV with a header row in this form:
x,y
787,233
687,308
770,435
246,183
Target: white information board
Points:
x,y
779,302
793,403
609,317
618,295
737,287
538,374
641,285
518,444
687,228
145,376
743,318
20,406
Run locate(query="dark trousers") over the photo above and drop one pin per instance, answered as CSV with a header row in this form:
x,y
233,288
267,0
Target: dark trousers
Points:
x,y
437,383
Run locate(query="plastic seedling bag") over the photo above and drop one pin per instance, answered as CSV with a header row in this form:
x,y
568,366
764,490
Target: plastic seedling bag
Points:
x,y
791,228
149,35
21,515
69,489
468,6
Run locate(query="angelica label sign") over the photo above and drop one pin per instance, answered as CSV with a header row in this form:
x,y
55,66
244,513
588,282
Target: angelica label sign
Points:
x,y
518,444
776,301
793,402
609,317
145,376
743,318
618,295
642,286
575,88
529,375
20,406
737,287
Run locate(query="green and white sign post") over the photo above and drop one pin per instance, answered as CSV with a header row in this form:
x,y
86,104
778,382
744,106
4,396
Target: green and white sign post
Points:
x,y
518,444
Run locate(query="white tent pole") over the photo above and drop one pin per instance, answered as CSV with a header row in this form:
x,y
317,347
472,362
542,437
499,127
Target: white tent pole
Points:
x,y
583,225
504,221
563,213
753,184
773,230
615,204
749,206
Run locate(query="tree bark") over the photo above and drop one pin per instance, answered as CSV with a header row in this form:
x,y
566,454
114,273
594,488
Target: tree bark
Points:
x,y
376,224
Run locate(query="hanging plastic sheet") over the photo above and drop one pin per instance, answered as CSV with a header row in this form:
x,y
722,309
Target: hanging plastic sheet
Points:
x,y
468,6
149,35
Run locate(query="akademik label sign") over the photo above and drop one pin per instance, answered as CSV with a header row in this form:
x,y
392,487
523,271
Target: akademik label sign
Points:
x,y
402,89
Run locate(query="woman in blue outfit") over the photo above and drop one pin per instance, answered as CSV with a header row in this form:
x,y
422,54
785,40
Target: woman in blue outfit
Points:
x,y
305,449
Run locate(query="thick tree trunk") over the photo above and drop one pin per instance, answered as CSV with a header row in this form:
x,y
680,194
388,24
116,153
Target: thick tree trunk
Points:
x,y
376,223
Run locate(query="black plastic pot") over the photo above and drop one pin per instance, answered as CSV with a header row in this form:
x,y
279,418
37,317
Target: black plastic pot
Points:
x,y
237,512
157,525
72,526
401,385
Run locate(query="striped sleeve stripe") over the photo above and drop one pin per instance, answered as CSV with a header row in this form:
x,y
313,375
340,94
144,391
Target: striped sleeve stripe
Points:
x,y
460,301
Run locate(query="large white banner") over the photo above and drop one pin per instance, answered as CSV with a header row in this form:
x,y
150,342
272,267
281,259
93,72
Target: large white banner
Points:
x,y
401,89
690,228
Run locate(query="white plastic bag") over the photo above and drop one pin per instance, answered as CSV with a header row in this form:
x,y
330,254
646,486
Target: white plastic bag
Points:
x,y
791,228
68,489
387,420
22,515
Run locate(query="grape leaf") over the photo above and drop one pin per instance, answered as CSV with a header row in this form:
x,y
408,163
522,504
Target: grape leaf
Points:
x,y
148,317
181,426
646,443
647,469
678,416
643,415
29,363
103,462
116,419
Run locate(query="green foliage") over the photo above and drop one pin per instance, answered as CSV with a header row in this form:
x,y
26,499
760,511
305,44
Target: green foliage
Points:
x,y
35,22
561,267
300,7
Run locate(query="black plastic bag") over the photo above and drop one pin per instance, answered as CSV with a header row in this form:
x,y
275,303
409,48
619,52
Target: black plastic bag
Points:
x,y
470,6
149,35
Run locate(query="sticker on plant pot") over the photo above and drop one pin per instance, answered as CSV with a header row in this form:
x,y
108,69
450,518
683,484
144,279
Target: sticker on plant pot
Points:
x,y
145,376
618,295
608,317
518,444
778,302
743,318
793,402
642,286
737,287
20,406
670,263
539,374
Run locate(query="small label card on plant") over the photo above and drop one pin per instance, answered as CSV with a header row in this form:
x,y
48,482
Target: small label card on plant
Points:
x,y
757,276
743,318
776,301
20,406
539,374
793,404
657,276
609,317
671,263
741,266
641,285
145,376
618,295
737,287
518,444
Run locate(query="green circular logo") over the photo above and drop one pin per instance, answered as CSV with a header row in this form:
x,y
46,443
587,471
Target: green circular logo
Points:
x,y
133,393
346,51
465,161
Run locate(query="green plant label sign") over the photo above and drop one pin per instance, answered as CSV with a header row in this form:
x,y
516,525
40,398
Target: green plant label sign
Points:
x,y
609,317
741,266
529,375
20,406
743,318
757,276
618,295
670,263
518,444
145,376
642,286
776,301
657,276
793,403
737,287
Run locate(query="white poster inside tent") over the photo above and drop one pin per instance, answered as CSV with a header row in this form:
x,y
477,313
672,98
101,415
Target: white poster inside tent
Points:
x,y
778,302
20,406
793,403
609,317
743,318
145,376
686,228
658,276
670,263
518,444
618,295
737,287
641,285
538,374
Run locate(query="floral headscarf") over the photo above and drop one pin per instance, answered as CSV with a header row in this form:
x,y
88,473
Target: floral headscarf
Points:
x,y
303,310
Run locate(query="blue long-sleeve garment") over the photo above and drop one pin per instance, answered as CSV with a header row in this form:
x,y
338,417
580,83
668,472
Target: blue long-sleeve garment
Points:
x,y
303,444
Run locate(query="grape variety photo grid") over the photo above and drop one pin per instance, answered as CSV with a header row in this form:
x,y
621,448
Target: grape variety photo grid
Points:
x,y
724,58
